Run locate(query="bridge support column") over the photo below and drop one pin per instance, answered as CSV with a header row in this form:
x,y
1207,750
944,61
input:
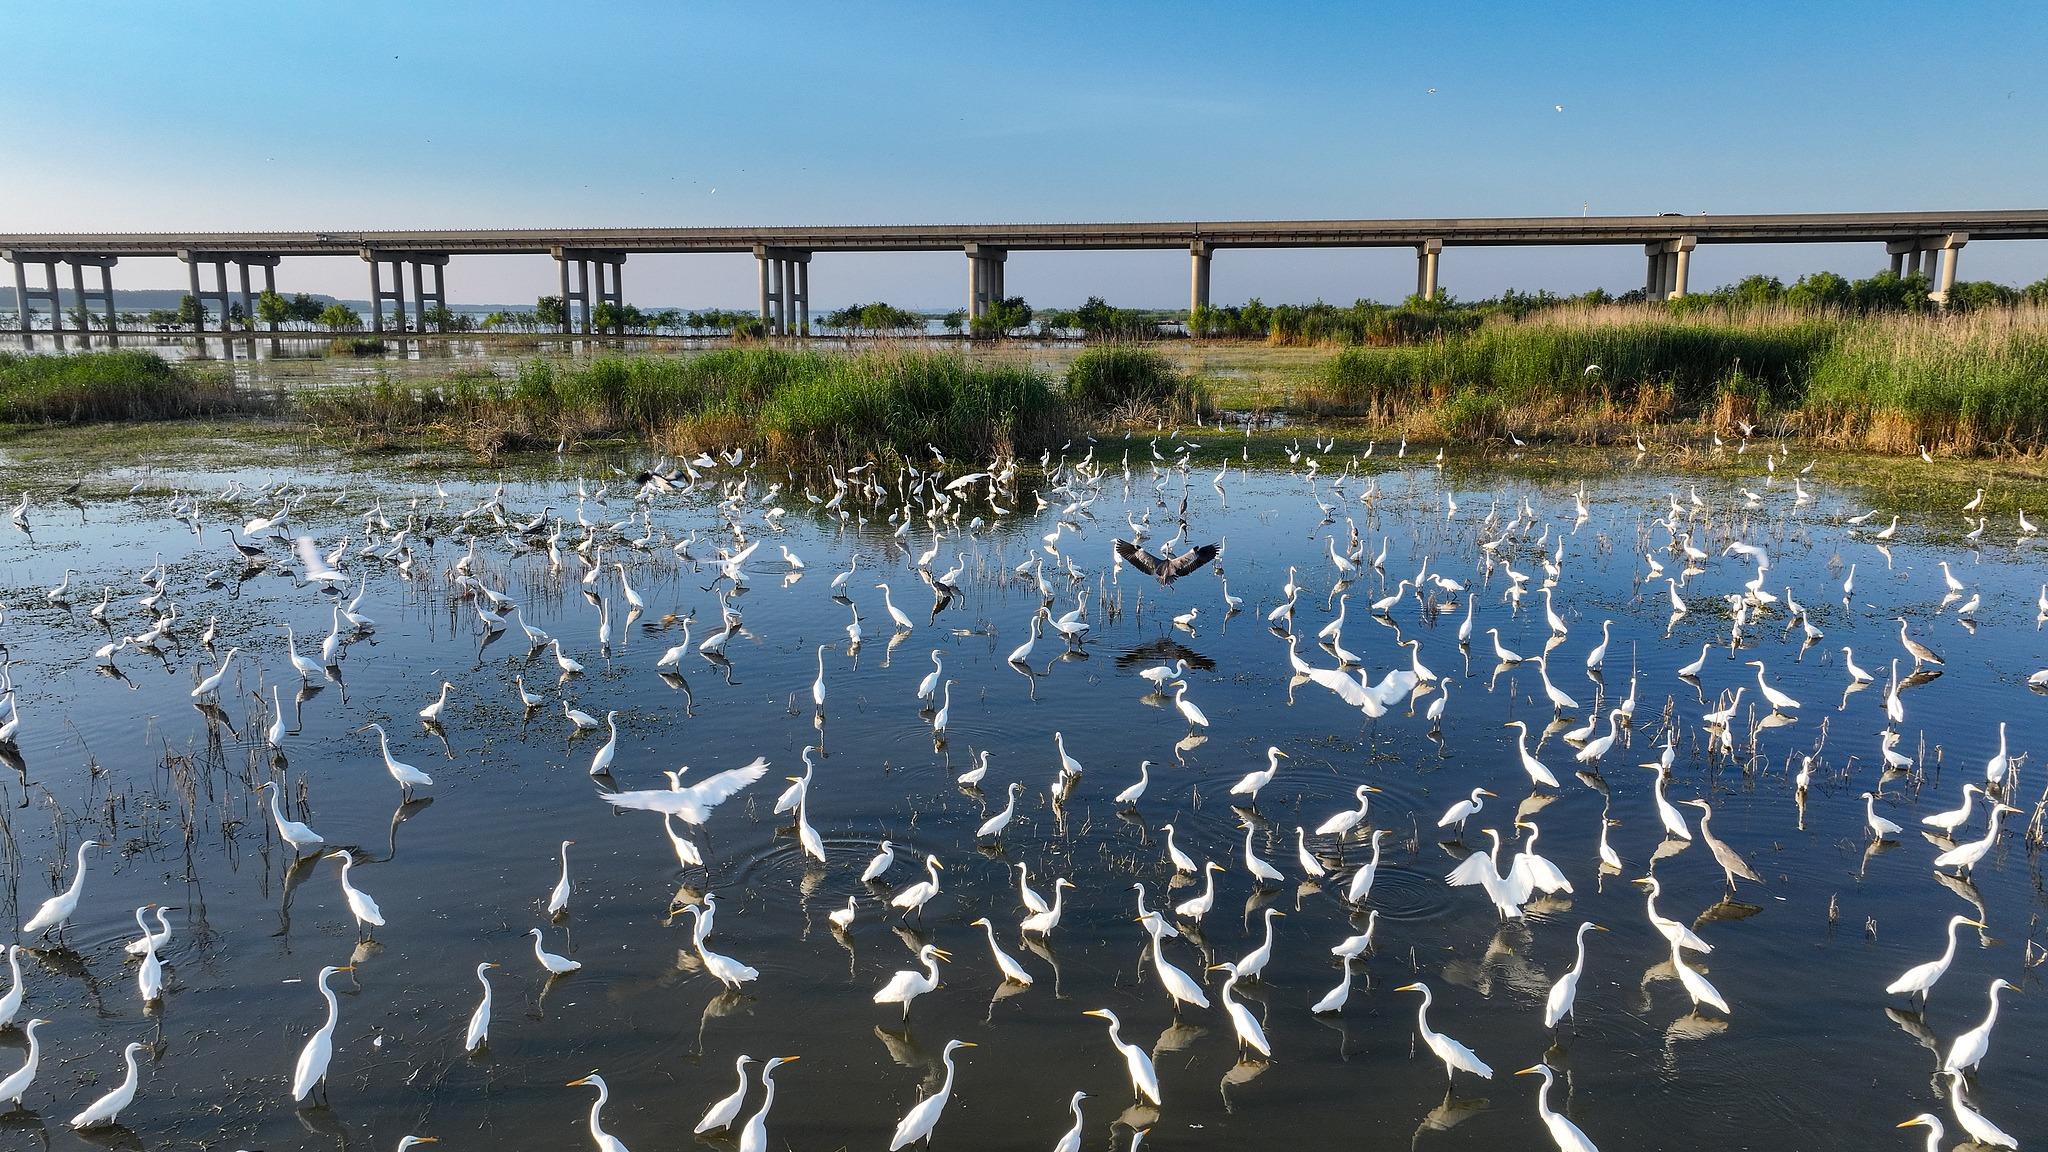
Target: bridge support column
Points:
x,y
1669,267
590,288
113,320
378,295
1950,252
1198,280
785,275
1425,267
420,294
20,293
1900,251
984,278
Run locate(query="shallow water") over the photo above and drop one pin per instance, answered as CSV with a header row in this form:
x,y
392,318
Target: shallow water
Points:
x,y
1811,1055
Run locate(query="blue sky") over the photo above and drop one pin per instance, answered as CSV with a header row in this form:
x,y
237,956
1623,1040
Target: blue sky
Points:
x,y
153,115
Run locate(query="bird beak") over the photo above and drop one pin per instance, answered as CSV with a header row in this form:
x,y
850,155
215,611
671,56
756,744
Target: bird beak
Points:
x,y
942,954
1642,880
577,1083
1531,1070
426,1139
1913,1123
1484,792
1370,788
791,1059
969,1044
1095,1012
346,968
1409,988
1599,927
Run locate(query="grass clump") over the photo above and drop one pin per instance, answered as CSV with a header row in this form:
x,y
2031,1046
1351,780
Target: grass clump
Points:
x,y
799,404
86,387
1128,384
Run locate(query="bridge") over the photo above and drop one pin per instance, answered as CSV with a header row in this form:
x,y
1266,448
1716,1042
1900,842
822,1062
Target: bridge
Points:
x,y
1926,243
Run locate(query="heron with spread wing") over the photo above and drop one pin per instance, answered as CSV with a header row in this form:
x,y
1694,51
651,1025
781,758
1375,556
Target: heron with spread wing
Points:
x,y
1170,567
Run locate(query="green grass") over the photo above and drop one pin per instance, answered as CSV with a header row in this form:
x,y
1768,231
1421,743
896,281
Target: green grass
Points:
x,y
798,404
1884,382
109,386
1127,383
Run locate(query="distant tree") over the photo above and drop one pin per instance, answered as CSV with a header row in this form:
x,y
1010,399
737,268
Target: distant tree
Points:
x,y
236,317
190,312
2037,292
954,321
274,310
1759,289
304,309
339,317
1820,290
548,312
1977,295
439,318
1888,292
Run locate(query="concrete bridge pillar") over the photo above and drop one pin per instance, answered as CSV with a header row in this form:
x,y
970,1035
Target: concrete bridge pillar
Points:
x,y
378,295
1198,278
51,293
984,278
593,285
1950,252
785,275
1425,267
1669,267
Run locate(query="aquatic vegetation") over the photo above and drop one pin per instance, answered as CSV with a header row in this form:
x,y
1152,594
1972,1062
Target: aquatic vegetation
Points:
x,y
113,385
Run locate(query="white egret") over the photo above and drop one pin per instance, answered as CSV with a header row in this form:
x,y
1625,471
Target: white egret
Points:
x,y
1246,1025
1335,999
1311,867
1672,931
691,805
1032,900
1005,963
408,777
297,836
58,909
902,621
432,712
1255,961
994,825
724,1111
605,1141
601,761
1152,921
1947,822
1970,1047
918,1123
1538,772
1565,993
1465,809
1071,1142
1254,781
555,965
17,1083
884,857
1129,796
1181,988
1181,861
1696,985
1361,880
1456,1057
107,1108
1970,853
1262,872
1880,828
1919,980
479,1032
149,978
754,1134
311,1070
928,688
1563,1132
10,1004
842,918
1981,1129
1144,1078
916,896
1197,907
1043,923
1342,824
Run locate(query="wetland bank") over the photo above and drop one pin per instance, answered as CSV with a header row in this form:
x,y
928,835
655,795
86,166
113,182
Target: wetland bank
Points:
x,y
1332,626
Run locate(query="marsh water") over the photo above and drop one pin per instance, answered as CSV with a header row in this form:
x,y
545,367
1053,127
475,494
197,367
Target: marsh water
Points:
x,y
1812,1055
